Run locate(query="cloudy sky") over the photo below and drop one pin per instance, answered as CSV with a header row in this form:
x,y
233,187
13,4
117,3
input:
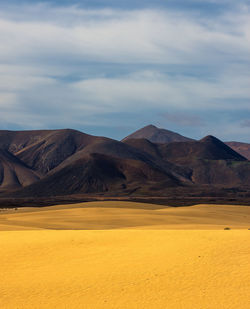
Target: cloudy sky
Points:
x,y
109,67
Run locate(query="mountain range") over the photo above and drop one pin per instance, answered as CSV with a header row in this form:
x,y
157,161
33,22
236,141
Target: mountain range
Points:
x,y
149,162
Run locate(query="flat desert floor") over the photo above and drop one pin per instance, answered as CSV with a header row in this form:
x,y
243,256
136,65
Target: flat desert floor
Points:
x,y
125,255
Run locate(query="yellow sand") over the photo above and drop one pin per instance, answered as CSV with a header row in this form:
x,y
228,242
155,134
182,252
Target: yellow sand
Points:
x,y
124,215
137,268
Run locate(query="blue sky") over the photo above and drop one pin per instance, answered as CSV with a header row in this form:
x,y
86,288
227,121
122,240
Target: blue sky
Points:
x,y
111,67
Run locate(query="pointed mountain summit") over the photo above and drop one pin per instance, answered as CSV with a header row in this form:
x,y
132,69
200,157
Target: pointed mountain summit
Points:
x,y
157,135
219,150
150,162
208,148
210,139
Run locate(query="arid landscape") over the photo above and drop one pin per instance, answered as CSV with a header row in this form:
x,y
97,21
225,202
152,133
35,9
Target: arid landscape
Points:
x,y
157,220
125,255
124,154
149,162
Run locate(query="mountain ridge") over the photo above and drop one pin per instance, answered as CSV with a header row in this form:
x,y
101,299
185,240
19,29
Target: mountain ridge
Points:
x,y
68,162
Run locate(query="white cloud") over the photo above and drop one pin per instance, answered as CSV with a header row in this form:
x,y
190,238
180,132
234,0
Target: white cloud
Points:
x,y
151,89
147,36
42,46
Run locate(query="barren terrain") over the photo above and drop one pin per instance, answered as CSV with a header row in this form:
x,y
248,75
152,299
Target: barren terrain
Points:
x,y
125,255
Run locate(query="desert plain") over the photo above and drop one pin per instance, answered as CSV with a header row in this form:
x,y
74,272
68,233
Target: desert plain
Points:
x,y
115,254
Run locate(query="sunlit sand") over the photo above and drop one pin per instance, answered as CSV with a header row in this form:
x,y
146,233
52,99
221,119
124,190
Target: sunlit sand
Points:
x,y
125,215
125,255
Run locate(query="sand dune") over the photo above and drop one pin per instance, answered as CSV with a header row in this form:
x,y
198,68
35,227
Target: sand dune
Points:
x,y
125,269
120,215
139,256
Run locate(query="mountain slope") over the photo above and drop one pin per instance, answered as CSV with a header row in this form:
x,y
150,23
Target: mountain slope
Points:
x,y
208,148
65,162
144,145
14,141
205,162
13,173
156,135
105,166
241,148
97,173
141,167
211,161
44,150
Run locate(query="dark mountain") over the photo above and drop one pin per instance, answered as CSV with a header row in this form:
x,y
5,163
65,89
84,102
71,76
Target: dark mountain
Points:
x,y
14,173
208,148
144,145
14,141
241,148
212,162
205,162
105,166
156,135
66,162
99,173
44,150
224,173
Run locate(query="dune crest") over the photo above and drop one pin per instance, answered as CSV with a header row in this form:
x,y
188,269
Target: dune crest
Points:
x,y
123,215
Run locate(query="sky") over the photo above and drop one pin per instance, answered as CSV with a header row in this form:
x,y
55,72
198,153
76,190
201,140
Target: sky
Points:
x,y
111,67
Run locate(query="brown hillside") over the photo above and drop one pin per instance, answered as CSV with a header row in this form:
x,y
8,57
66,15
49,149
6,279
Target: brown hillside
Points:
x,y
13,173
211,161
241,148
72,162
44,150
208,148
156,135
144,145
95,173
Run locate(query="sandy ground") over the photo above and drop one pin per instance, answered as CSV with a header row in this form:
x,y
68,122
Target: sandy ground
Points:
x,y
123,265
125,215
